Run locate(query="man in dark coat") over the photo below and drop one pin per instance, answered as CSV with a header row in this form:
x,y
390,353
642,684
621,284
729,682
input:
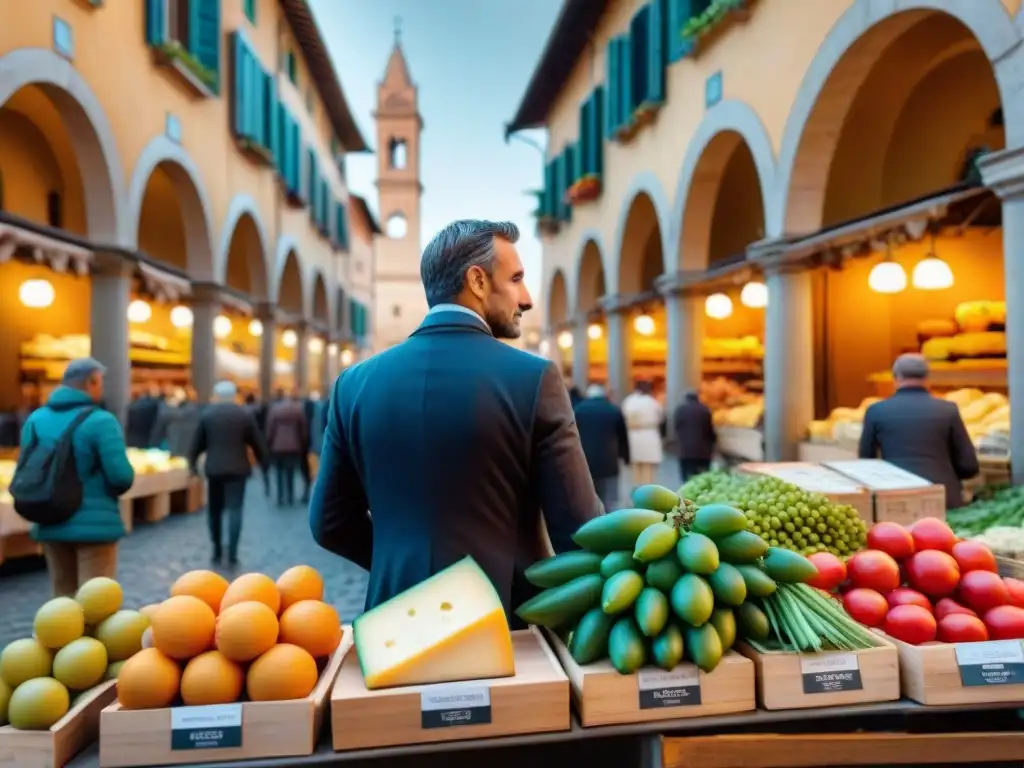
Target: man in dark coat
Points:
x,y
226,433
454,440
695,436
142,416
920,433
605,441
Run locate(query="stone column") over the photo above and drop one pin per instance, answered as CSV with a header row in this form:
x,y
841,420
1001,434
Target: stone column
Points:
x,y
620,353
110,293
325,368
302,358
684,314
268,351
205,307
580,353
1003,172
788,362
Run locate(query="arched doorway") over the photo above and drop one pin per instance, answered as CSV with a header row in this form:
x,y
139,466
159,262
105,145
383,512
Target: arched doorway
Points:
x,y
558,300
245,265
289,298
321,308
244,272
289,293
339,311
173,227
588,344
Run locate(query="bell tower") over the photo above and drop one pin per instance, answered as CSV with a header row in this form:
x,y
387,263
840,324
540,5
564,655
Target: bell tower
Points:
x,y
400,302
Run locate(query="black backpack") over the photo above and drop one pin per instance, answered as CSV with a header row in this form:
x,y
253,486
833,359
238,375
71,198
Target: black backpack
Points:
x,y
46,487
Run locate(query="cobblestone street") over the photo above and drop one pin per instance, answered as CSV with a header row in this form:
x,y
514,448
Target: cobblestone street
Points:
x,y
273,539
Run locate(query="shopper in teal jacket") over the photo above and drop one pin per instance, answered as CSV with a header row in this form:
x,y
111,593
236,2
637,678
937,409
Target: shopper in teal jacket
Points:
x,y
85,545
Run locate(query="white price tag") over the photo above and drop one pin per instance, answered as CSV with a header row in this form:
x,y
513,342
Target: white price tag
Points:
x,y
212,727
659,689
444,706
830,672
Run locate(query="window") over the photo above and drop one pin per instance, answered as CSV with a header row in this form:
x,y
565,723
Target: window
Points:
x,y
340,226
54,210
289,154
397,226
250,10
291,67
254,104
397,154
177,21
187,33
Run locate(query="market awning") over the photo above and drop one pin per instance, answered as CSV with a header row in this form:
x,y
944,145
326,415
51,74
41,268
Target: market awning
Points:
x,y
162,283
43,245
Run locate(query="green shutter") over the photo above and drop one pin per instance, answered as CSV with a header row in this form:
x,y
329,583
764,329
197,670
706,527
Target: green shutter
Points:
x,y
656,56
638,35
584,140
238,105
204,36
273,125
597,112
250,10
292,66
311,179
156,22
614,71
625,115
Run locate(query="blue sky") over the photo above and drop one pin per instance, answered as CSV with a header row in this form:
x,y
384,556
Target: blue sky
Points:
x,y
471,60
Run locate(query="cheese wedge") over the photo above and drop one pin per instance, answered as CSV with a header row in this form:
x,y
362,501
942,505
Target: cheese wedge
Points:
x,y
450,627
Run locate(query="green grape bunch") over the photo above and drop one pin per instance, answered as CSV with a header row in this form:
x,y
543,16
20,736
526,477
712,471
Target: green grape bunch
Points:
x,y
783,514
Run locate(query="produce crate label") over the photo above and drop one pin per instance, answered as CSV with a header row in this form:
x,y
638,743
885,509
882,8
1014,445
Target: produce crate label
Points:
x,y
812,478
879,475
659,689
211,727
996,662
830,672
444,706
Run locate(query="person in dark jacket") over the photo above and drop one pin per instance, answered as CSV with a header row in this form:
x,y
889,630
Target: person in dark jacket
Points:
x,y
695,436
288,439
456,442
258,411
605,442
226,433
176,423
920,433
142,415
310,407
85,545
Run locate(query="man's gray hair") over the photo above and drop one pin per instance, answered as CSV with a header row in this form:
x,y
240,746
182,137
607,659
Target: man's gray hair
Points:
x,y
595,390
910,366
459,246
225,391
79,371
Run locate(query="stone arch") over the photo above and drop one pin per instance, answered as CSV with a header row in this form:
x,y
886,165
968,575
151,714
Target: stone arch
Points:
x,y
558,300
340,300
646,188
730,148
320,301
90,133
641,257
244,218
910,40
288,273
163,156
590,281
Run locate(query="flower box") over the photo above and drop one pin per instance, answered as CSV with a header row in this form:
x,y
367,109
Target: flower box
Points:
x,y
548,225
584,190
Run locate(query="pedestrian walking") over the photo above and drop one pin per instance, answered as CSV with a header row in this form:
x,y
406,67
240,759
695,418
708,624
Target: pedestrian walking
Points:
x,y
176,423
695,436
644,419
74,505
258,411
605,442
225,434
287,438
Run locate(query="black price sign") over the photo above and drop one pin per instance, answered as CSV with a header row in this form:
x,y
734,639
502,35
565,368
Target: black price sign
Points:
x,y
997,662
451,705
830,673
214,727
658,689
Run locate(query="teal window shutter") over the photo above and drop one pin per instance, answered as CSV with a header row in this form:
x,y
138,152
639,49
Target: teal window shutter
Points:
x,y
250,10
292,67
204,36
312,178
656,55
638,29
547,200
156,22
238,100
597,112
584,140
625,105
270,118
614,71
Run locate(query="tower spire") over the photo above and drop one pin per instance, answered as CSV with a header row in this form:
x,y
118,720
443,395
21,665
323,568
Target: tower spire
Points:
x,y
398,30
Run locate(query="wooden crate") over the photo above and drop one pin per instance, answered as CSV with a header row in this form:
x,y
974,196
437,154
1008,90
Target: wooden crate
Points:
x,y
897,496
605,697
931,673
66,738
819,453
535,700
803,681
818,479
740,443
260,729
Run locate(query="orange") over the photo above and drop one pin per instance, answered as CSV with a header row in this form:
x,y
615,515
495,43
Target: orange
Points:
x,y
211,678
301,582
183,627
245,630
313,626
252,586
282,673
148,680
206,585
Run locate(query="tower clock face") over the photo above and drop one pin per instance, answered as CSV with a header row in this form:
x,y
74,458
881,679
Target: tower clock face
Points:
x,y
396,226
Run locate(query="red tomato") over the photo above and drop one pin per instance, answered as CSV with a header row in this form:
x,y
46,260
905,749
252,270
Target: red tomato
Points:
x,y
948,605
866,606
874,569
961,628
983,590
974,556
934,573
831,571
1016,589
911,624
932,533
908,596
1005,623
891,538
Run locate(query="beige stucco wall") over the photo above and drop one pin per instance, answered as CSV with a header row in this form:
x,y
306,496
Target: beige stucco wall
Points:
x,y
772,69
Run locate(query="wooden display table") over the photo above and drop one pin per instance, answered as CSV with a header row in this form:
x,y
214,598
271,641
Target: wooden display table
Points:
x,y
150,496
897,495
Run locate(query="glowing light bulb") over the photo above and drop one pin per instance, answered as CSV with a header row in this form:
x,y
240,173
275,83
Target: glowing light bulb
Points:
x,y
754,295
887,277
595,331
36,294
718,306
932,274
255,328
181,317
139,311
565,340
289,338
